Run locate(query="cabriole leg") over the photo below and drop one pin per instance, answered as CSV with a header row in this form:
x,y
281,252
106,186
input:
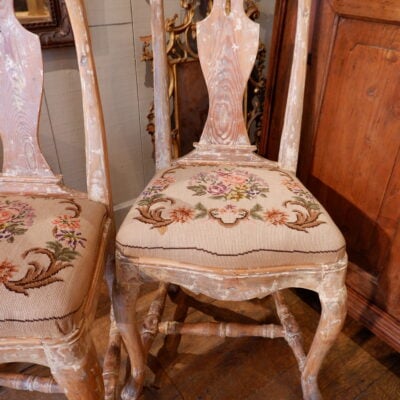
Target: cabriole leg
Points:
x,y
332,296
125,294
75,367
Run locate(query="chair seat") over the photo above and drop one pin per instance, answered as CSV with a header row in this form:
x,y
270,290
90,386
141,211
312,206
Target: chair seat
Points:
x,y
48,250
230,217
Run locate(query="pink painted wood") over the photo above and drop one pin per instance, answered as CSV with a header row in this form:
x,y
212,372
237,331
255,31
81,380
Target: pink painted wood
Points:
x,y
72,358
227,43
21,77
227,52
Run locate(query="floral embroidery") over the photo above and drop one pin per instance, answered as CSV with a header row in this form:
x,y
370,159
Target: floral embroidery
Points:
x,y
60,253
181,214
299,212
228,184
15,217
230,215
7,270
276,217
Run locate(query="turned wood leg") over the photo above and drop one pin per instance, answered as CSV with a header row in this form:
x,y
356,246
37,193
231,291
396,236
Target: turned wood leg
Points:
x,y
76,369
333,302
112,357
125,294
169,350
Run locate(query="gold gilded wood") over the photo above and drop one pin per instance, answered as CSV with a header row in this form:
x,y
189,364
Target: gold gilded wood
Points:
x,y
226,58
71,358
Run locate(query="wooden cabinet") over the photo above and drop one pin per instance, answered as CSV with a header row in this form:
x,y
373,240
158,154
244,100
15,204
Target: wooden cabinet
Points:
x,y
350,151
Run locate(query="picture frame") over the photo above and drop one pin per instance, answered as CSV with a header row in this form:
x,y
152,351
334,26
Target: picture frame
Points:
x,y
53,27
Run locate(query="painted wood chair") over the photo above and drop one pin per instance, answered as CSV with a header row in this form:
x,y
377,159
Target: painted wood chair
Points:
x,y
223,221
53,240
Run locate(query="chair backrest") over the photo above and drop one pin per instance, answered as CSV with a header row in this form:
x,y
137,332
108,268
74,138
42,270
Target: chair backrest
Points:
x,y
228,41
25,169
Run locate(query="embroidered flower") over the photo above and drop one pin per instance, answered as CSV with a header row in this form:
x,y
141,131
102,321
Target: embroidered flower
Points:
x,y
7,270
6,215
157,186
182,214
15,217
70,238
218,189
228,184
297,188
66,221
276,217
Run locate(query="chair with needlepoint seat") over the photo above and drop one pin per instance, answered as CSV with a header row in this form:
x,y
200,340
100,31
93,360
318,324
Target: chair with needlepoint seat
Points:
x,y
222,221
54,241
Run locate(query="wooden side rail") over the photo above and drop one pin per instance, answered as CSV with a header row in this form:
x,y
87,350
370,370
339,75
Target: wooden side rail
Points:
x,y
30,383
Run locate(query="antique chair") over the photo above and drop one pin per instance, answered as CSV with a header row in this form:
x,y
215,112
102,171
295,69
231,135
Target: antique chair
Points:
x,y
224,222
54,241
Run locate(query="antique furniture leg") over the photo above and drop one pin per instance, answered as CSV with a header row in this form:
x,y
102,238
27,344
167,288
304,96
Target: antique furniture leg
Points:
x,y
75,367
112,357
125,294
292,330
332,295
169,350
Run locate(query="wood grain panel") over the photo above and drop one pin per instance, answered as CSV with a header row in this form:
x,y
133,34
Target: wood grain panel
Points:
x,y
21,75
382,10
226,71
358,128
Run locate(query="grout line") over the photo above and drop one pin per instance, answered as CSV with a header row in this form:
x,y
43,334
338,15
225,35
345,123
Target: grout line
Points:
x,y
111,24
137,95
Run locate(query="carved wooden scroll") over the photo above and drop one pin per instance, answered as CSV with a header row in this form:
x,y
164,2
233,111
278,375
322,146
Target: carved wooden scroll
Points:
x,y
21,82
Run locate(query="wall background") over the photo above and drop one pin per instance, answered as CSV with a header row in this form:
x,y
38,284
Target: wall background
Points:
x,y
126,91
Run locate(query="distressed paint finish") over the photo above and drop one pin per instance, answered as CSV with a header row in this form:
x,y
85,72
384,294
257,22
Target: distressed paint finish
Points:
x,y
226,58
227,44
21,77
290,141
161,82
72,359
98,180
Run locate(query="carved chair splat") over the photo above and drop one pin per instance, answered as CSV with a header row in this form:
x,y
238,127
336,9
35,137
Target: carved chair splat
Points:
x,y
223,221
54,241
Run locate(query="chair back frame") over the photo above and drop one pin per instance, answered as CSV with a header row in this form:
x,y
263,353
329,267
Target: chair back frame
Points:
x,y
25,169
226,141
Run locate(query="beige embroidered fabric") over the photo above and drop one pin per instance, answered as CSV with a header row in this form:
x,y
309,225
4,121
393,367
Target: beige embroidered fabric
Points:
x,y
193,215
47,248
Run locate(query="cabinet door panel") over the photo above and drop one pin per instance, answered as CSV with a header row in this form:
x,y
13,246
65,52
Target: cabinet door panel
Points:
x,y
358,136
353,127
350,150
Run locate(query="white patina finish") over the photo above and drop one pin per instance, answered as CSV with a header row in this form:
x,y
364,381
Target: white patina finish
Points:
x,y
161,82
98,180
21,76
290,140
71,358
227,44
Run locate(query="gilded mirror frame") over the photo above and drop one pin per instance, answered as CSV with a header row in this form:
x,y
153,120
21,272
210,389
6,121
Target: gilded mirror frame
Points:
x,y
54,31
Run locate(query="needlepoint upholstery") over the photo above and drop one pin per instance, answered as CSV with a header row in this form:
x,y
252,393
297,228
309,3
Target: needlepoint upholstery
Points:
x,y
232,217
48,249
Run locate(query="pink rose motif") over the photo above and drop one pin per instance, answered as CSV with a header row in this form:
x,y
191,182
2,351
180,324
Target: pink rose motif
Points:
x,y
235,179
5,216
218,189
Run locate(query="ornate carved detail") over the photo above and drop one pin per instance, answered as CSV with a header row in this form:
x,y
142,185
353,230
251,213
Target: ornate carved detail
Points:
x,y
182,48
58,31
